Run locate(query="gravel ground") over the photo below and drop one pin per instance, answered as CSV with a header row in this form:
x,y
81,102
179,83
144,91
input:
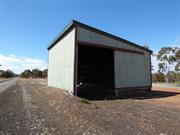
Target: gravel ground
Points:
x,y
2,80
30,107
5,84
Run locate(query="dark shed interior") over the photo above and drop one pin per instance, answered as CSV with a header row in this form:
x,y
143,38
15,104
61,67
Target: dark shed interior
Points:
x,y
95,71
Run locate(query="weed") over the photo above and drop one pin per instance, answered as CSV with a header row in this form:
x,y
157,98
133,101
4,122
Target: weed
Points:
x,y
84,101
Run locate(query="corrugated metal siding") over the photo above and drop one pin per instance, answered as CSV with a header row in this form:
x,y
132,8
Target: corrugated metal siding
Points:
x,y
132,70
85,35
61,63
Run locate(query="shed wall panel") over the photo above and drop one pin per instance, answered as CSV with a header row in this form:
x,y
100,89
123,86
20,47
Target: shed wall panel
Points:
x,y
85,35
61,63
132,70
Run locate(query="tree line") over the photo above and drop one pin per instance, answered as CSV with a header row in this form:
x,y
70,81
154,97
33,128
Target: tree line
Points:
x,y
168,65
7,74
34,73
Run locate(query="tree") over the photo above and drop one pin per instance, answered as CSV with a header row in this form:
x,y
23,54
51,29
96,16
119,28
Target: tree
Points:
x,y
44,73
172,76
7,74
167,57
36,73
177,55
161,67
26,74
158,77
177,67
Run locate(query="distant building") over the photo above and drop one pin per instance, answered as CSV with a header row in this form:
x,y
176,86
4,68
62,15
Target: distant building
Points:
x,y
82,54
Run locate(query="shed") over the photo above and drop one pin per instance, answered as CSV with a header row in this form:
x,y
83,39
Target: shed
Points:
x,y
85,59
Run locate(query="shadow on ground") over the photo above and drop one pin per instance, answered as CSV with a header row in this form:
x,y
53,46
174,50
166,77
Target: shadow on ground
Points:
x,y
103,94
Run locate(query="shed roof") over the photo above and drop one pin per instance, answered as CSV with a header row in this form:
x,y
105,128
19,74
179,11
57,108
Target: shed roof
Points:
x,y
74,23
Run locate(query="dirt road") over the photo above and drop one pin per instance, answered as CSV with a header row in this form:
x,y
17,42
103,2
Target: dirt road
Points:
x,y
30,107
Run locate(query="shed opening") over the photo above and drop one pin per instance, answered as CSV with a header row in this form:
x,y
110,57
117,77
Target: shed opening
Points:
x,y
95,72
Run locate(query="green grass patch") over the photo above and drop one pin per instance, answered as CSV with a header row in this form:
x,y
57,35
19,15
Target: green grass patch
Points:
x,y
84,101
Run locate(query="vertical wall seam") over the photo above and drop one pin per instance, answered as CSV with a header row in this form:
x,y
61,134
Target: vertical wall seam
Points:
x,y
150,70
75,62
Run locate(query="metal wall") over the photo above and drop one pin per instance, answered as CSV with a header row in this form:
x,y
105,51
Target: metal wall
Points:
x,y
85,35
131,69
61,63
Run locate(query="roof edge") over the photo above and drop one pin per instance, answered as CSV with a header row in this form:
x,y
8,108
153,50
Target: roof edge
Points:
x,y
74,22
61,34
110,35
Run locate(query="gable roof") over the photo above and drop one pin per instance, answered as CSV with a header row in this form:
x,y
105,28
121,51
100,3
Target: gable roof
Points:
x,y
76,23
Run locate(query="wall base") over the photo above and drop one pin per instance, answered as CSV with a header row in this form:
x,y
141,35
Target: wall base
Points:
x,y
131,90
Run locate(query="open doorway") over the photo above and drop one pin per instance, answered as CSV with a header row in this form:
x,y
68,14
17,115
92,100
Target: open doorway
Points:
x,y
95,71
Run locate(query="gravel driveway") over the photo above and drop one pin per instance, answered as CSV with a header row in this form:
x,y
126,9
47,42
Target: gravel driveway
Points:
x,y
30,107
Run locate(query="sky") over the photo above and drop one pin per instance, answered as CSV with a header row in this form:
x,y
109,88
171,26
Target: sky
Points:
x,y
28,26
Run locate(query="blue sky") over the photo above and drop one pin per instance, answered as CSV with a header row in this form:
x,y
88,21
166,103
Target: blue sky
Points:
x,y
27,27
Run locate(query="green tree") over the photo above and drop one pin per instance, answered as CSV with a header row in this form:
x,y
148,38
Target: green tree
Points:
x,y
7,74
26,74
172,76
36,73
161,67
177,55
44,73
167,57
177,67
158,77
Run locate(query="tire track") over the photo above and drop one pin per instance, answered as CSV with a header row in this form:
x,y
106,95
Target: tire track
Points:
x,y
7,84
34,122
12,118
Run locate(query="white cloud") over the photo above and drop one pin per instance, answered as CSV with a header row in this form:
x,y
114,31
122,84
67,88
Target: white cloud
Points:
x,y
18,64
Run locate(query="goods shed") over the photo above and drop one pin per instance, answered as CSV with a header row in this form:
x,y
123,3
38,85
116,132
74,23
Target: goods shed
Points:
x,y
83,59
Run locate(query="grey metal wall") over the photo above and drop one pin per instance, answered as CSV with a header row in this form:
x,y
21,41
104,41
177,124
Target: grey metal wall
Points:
x,y
131,70
85,35
61,63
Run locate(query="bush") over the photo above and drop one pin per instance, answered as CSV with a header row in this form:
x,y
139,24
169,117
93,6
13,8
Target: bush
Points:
x,y
7,74
158,77
44,73
35,73
26,74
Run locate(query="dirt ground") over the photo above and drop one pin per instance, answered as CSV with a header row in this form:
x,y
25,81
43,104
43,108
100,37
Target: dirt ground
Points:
x,y
30,107
3,80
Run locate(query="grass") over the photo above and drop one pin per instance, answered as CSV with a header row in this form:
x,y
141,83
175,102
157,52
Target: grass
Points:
x,y
85,101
